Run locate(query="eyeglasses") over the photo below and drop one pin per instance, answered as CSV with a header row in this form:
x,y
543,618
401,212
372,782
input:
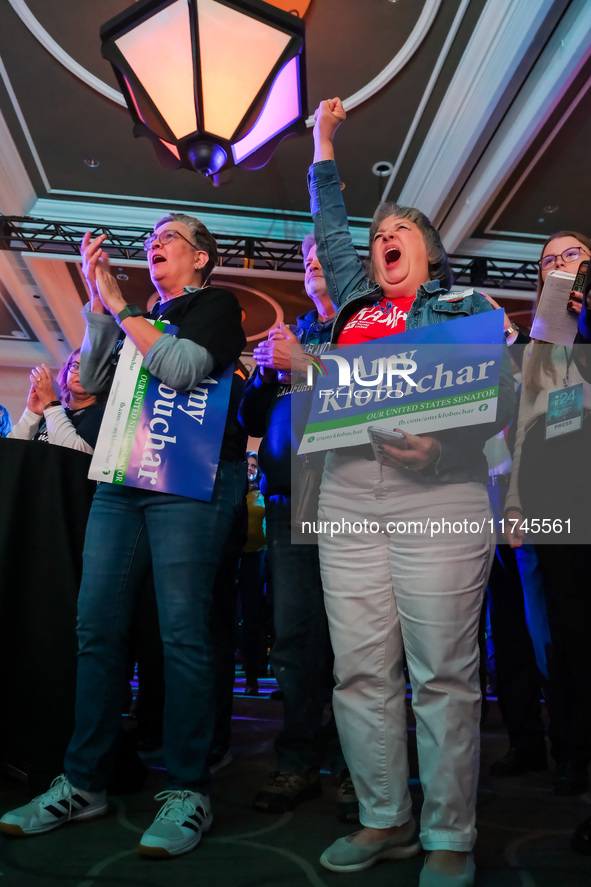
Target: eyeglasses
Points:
x,y
165,237
74,367
569,255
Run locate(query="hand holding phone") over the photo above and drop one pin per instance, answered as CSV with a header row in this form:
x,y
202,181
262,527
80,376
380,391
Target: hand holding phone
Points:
x,y
381,436
576,297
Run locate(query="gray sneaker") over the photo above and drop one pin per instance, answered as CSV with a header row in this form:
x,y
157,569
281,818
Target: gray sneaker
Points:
x,y
344,856
60,804
181,821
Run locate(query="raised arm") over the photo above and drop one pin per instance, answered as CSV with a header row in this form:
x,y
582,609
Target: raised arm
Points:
x,y
328,117
344,272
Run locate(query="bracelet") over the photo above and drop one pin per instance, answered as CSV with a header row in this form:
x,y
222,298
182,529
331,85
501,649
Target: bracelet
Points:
x,y
509,332
52,403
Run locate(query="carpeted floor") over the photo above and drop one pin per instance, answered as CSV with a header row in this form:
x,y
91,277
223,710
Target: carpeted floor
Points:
x,y
523,830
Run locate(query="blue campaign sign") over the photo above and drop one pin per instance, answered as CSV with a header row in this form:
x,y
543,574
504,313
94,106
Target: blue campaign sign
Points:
x,y
178,437
440,376
157,438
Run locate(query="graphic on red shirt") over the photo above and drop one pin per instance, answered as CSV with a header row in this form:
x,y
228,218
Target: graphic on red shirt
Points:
x,y
383,318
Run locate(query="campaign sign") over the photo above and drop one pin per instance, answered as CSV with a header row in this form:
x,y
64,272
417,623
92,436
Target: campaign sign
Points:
x,y
157,438
441,376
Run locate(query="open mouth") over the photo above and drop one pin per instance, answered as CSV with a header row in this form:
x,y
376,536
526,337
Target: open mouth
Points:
x,y
157,259
392,255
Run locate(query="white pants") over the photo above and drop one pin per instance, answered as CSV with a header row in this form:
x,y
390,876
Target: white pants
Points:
x,y
390,593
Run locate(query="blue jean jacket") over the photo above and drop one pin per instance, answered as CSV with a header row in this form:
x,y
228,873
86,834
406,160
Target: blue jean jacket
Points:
x,y
461,459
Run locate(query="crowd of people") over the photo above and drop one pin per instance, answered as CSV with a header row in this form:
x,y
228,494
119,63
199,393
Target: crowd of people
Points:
x,y
354,613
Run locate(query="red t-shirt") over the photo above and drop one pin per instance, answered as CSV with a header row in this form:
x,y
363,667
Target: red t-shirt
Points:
x,y
383,318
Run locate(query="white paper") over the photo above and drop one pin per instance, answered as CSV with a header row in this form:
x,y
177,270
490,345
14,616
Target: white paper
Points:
x,y
553,323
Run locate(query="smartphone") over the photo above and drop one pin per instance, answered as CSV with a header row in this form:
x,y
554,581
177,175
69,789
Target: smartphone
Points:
x,y
579,283
381,436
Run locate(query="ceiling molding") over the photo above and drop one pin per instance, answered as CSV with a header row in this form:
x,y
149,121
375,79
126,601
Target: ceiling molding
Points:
x,y
61,295
17,194
499,249
538,155
415,39
16,277
483,85
23,124
218,221
61,56
459,17
563,57
402,57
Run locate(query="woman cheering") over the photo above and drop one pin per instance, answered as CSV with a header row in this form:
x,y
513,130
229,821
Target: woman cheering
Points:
x,y
130,528
393,594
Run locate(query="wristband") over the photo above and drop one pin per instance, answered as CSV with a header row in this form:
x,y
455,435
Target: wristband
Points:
x,y
129,311
52,403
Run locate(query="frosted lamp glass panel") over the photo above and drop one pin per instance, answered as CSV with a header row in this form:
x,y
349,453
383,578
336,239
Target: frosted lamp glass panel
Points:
x,y
281,108
171,148
237,55
135,104
159,52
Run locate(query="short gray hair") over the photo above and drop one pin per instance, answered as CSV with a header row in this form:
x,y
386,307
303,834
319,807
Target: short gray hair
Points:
x,y
439,267
200,235
307,243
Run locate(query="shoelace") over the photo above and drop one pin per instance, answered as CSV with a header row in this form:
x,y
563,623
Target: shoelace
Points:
x,y
60,790
178,801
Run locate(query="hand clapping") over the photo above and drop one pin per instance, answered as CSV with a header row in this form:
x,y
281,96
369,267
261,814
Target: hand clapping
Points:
x,y
42,389
276,352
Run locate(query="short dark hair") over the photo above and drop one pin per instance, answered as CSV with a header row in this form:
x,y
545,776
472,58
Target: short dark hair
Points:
x,y
439,267
200,235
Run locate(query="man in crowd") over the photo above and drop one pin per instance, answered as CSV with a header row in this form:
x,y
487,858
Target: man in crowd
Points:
x,y
301,656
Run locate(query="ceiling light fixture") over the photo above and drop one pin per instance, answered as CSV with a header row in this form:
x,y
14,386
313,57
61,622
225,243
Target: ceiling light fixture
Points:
x,y
211,83
91,162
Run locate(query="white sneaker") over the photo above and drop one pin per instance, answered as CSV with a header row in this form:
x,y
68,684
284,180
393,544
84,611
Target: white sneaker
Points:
x,y
61,803
179,824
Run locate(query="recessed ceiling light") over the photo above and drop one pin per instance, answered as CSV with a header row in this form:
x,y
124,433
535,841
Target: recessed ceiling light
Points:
x,y
550,208
91,162
122,277
382,168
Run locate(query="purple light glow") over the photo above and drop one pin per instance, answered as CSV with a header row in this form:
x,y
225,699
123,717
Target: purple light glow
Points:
x,y
281,108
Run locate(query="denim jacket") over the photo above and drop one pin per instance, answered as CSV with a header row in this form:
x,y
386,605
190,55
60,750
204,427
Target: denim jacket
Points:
x,y
461,458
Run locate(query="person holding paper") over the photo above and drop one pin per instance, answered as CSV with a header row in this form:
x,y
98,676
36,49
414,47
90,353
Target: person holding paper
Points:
x,y
564,251
548,503
393,592
129,527
71,419
558,303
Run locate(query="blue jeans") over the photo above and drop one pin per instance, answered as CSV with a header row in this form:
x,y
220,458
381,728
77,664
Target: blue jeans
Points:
x,y
184,539
301,656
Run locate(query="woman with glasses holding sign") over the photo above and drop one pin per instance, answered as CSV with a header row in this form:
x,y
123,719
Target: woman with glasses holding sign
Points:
x,y
130,528
394,593
548,503
71,419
